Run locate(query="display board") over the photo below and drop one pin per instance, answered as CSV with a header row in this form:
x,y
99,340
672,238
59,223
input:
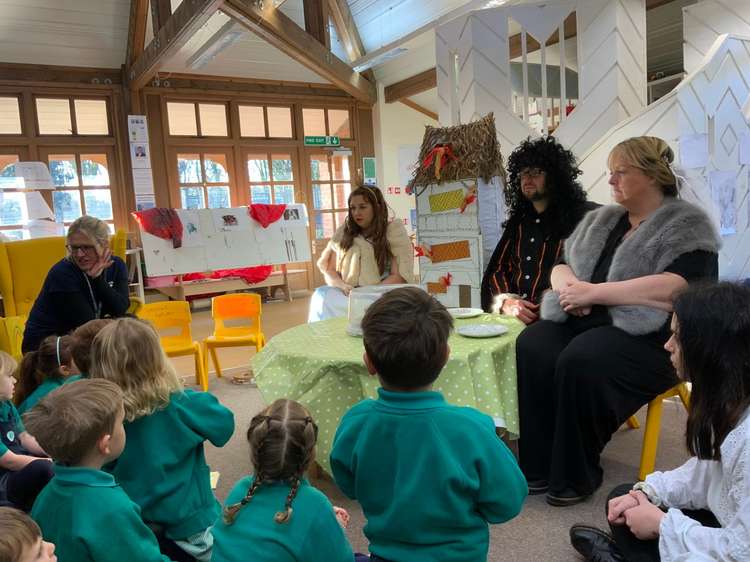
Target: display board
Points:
x,y
214,239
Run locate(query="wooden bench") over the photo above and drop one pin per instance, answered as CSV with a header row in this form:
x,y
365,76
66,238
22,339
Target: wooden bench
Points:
x,y
277,280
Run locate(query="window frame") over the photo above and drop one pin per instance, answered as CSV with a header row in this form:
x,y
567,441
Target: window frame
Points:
x,y
19,100
196,110
73,116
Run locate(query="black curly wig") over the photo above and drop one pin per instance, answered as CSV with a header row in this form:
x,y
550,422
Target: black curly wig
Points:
x,y
567,198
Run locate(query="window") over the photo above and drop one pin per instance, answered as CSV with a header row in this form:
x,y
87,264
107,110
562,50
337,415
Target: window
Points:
x,y
13,211
271,178
266,122
10,116
331,186
67,116
82,185
197,119
324,122
204,180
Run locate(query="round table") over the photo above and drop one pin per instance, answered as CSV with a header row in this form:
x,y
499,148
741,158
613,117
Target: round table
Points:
x,y
321,366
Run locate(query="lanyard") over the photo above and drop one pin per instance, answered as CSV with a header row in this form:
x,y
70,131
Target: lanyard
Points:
x,y
94,302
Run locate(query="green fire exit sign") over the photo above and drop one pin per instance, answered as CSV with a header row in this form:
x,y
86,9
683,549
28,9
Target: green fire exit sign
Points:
x,y
322,141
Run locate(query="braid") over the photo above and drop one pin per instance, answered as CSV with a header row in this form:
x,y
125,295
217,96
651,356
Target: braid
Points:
x,y
286,515
230,511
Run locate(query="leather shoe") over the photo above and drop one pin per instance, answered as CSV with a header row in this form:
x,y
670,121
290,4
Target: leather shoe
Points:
x,y
594,544
537,487
566,497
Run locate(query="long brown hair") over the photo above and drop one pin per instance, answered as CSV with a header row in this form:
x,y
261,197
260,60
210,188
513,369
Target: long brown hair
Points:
x,y
282,445
377,230
42,364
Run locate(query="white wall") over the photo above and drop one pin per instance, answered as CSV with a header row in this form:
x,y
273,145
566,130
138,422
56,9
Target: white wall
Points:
x,y
704,21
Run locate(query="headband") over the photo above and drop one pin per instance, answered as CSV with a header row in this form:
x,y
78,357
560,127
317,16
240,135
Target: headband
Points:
x,y
59,363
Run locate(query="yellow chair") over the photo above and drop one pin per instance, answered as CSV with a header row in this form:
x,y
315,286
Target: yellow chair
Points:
x,y
238,306
24,265
653,426
11,335
168,315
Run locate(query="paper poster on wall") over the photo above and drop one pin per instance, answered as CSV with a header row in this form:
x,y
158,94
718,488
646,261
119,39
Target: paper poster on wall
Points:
x,y
744,149
143,183
723,190
369,171
140,155
694,151
137,128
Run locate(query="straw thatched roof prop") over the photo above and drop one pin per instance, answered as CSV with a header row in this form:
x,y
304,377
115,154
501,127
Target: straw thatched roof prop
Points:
x,y
460,152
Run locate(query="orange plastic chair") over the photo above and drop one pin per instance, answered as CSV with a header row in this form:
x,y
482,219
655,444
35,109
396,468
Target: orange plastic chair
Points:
x,y
238,306
653,426
168,315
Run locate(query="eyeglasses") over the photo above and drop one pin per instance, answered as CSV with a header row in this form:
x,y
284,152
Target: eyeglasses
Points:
x,y
532,173
85,249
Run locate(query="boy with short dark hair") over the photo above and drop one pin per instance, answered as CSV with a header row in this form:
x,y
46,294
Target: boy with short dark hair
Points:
x,y
83,510
429,476
21,539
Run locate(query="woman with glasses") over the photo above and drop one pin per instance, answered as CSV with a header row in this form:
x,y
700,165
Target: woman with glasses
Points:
x,y
89,283
598,354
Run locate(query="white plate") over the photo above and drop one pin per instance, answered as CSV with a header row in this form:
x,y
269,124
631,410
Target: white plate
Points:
x,y
482,330
465,312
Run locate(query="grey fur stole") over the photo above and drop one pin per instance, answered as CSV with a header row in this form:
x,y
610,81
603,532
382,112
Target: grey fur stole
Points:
x,y
675,228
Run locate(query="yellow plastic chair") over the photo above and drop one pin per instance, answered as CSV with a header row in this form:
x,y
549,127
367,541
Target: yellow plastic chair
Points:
x,y
11,335
169,315
653,426
239,306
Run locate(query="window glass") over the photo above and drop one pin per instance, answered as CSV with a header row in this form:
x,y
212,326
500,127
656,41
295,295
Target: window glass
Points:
x,y
192,197
98,203
8,178
67,205
181,117
322,196
257,168
53,116
340,166
260,194
282,167
324,225
314,122
283,194
218,197
280,122
338,123
189,168
213,120
91,117
319,167
12,208
10,116
252,123
94,169
62,168
341,192
341,218
216,168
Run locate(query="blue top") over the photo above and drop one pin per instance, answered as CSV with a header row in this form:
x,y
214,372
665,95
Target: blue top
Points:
x,y
69,298
429,476
43,390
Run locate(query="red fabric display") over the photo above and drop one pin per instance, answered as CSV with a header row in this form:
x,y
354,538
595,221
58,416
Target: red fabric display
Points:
x,y
162,223
266,214
250,274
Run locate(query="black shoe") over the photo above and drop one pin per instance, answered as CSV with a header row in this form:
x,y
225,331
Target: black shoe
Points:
x,y
594,544
566,497
537,487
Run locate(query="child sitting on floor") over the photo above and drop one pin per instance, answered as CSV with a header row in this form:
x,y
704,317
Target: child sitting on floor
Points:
x,y
44,370
82,340
21,539
24,466
163,468
83,510
429,476
276,515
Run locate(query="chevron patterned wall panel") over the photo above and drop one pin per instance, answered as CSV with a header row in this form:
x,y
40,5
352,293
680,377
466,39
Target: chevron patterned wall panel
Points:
x,y
704,21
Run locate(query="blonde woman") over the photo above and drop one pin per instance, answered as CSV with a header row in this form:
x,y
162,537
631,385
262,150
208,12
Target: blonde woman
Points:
x,y
163,467
88,283
598,354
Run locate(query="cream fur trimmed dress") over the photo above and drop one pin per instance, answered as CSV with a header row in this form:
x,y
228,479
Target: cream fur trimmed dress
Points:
x,y
359,268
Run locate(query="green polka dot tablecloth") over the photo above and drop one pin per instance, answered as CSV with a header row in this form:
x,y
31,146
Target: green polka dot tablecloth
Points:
x,y
320,366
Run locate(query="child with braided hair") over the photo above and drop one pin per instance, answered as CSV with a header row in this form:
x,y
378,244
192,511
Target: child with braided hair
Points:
x,y
275,515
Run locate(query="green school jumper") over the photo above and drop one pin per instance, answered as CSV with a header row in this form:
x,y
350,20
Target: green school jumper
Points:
x,y
429,476
90,518
43,390
163,468
311,535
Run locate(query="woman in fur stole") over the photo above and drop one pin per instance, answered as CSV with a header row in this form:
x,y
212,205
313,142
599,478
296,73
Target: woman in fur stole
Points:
x,y
598,354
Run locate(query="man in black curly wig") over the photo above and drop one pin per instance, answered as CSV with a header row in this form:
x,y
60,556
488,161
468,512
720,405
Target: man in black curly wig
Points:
x,y
544,203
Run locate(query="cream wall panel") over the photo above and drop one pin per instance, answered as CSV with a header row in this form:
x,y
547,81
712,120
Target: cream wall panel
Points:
x,y
704,21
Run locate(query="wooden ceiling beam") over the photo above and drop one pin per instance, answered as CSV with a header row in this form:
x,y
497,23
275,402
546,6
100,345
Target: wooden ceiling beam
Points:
x,y
346,29
189,17
423,110
17,72
316,20
161,10
136,30
280,31
411,86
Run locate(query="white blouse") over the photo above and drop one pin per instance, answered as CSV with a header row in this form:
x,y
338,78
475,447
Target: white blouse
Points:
x,y
723,487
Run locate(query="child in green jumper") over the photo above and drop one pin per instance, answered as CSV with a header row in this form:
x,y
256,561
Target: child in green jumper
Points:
x,y
163,468
82,510
429,476
44,370
276,515
82,340
21,539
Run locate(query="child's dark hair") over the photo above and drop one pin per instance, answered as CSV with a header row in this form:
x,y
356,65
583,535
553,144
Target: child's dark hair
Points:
x,y
42,364
83,338
20,532
713,331
69,422
406,337
282,444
